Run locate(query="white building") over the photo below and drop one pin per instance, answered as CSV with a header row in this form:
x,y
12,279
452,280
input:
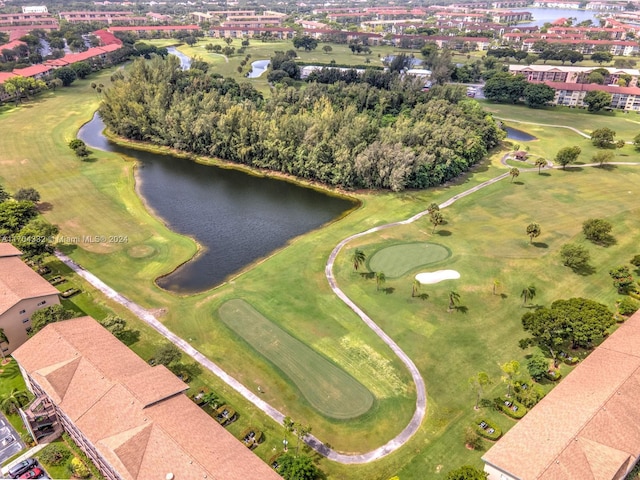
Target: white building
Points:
x,y
38,9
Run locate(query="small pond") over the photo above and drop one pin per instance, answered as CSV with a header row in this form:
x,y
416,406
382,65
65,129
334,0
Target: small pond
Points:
x,y
258,68
519,135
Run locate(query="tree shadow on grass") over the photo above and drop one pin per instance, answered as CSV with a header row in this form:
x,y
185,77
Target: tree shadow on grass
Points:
x,y
606,241
518,183
504,295
544,174
462,309
45,207
368,275
608,167
89,160
444,233
67,248
388,290
423,296
573,168
584,270
540,245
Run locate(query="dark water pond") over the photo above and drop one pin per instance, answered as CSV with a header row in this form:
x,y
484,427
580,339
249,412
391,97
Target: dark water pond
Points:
x,y
236,217
515,134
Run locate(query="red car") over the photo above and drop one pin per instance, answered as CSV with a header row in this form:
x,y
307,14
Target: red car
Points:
x,y
35,473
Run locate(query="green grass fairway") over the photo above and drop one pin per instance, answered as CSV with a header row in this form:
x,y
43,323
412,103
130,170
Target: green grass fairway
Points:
x,y
328,388
396,260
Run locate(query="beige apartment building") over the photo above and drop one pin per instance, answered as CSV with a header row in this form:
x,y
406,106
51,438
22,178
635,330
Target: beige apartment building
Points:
x,y
22,292
132,420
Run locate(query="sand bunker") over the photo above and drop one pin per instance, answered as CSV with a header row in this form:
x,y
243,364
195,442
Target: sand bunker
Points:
x,y
437,276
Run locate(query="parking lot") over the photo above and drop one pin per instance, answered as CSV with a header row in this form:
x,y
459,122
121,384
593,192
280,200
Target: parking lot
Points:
x,y
10,442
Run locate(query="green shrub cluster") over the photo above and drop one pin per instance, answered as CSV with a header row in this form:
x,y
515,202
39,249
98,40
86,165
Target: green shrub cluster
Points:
x,y
95,473
54,454
519,412
497,433
528,395
553,375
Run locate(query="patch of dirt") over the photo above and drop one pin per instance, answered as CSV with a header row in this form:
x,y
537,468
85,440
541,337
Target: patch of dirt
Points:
x,y
158,312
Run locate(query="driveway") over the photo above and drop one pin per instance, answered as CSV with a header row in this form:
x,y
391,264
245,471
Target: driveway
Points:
x,y
8,447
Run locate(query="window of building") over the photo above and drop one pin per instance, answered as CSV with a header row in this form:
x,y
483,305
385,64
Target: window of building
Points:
x,y
25,320
28,329
42,302
22,311
5,349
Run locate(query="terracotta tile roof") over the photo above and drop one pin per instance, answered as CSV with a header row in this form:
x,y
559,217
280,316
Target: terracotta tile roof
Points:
x,y
31,71
4,76
587,426
11,45
6,249
588,87
18,282
110,48
170,28
133,414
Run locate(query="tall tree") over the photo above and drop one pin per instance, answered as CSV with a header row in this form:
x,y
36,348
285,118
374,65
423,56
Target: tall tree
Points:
x,y
436,218
602,157
289,427
380,279
533,231
511,371
527,294
29,194
167,354
467,472
622,279
14,400
358,258
574,256
546,329
597,100
540,162
567,155
584,319
514,173
603,138
537,95
297,467
43,317
597,230
478,382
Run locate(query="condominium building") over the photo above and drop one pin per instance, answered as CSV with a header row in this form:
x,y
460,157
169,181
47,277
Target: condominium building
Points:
x,y
22,292
132,420
561,74
585,428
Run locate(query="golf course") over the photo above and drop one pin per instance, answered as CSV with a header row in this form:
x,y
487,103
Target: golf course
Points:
x,y
278,326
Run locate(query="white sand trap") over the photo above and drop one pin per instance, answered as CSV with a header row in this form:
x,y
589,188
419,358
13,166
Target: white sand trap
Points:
x,y
438,276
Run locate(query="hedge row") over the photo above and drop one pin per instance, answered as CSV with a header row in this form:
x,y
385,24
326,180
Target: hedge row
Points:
x,y
517,414
484,433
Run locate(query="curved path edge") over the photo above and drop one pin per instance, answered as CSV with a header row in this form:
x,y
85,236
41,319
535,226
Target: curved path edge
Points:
x,y
273,413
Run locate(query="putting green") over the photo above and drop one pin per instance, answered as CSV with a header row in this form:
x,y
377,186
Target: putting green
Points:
x,y
329,389
396,260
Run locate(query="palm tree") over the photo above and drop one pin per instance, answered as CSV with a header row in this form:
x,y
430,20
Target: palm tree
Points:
x,y
540,162
14,400
511,370
358,258
478,382
289,426
454,297
514,172
301,432
527,294
380,279
415,288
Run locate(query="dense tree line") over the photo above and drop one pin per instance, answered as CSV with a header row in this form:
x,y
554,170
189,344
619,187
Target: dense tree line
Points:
x,y
352,136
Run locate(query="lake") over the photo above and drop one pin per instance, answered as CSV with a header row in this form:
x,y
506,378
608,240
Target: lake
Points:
x,y
237,218
185,61
258,68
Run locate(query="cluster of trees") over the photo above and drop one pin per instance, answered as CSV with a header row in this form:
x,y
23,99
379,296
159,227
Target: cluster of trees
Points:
x,y
292,464
21,224
577,320
353,136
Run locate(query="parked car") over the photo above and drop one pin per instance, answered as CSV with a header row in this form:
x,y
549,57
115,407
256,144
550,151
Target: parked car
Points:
x,y
34,473
7,440
20,468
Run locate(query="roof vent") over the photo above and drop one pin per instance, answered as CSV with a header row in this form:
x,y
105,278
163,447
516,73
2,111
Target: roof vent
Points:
x,y
169,476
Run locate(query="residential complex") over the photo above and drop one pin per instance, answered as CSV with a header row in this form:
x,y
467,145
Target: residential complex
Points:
x,y
562,74
587,426
22,292
132,420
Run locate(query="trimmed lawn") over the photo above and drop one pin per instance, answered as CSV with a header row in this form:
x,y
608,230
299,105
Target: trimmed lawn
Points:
x,y
485,233
397,260
627,125
11,378
328,388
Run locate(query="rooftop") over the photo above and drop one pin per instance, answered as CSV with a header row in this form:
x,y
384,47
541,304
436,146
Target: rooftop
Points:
x,y
17,281
585,427
136,416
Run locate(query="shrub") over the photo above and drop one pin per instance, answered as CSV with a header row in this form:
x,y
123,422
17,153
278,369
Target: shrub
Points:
x,y
78,468
553,375
519,412
495,435
54,454
530,395
627,306
472,438
256,439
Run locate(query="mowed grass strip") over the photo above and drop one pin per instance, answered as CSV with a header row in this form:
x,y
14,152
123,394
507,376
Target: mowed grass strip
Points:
x,y
328,388
396,260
